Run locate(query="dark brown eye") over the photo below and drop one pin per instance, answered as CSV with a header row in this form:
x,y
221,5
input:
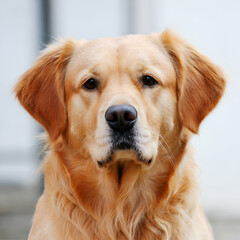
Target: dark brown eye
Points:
x,y
148,81
91,84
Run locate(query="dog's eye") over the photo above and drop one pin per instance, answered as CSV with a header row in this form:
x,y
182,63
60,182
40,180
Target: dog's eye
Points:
x,y
91,84
148,81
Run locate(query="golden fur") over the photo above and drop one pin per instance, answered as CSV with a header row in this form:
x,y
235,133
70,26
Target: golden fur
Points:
x,y
146,201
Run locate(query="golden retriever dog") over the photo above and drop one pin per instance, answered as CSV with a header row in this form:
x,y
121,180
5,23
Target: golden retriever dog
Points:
x,y
119,114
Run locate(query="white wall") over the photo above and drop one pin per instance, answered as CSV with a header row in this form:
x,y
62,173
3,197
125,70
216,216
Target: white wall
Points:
x,y
18,49
89,19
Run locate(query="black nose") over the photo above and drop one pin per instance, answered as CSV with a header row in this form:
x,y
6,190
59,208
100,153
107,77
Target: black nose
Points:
x,y
121,117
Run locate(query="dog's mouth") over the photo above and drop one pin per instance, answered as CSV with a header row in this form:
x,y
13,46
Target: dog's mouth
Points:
x,y
124,149
123,154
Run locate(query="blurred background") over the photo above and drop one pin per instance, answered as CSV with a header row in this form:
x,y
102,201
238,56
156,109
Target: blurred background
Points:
x,y
28,25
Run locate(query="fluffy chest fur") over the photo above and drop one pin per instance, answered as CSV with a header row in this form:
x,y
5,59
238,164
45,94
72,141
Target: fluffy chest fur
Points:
x,y
143,206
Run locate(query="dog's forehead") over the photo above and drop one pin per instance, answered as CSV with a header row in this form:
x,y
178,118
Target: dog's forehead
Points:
x,y
120,49
127,54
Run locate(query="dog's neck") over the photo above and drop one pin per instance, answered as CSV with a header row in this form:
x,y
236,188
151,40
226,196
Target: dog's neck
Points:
x,y
102,198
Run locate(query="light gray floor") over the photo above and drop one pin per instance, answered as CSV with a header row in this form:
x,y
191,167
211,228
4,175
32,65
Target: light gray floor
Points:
x,y
226,229
17,206
16,209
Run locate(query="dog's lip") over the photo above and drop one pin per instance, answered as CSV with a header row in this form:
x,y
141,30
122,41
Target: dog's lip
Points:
x,y
125,155
102,163
146,161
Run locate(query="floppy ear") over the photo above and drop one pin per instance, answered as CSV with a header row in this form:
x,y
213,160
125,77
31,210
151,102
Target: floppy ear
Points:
x,y
41,89
200,83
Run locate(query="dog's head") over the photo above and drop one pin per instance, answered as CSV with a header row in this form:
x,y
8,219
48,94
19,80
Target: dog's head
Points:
x,y
121,99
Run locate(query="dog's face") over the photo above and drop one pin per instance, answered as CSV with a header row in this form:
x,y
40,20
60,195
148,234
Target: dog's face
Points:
x,y
119,96
122,99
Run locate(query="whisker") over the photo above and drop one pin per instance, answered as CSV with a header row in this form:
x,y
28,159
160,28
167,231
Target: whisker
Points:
x,y
169,149
168,155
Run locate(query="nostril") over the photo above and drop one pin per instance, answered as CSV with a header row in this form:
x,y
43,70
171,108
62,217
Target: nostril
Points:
x,y
111,117
130,115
